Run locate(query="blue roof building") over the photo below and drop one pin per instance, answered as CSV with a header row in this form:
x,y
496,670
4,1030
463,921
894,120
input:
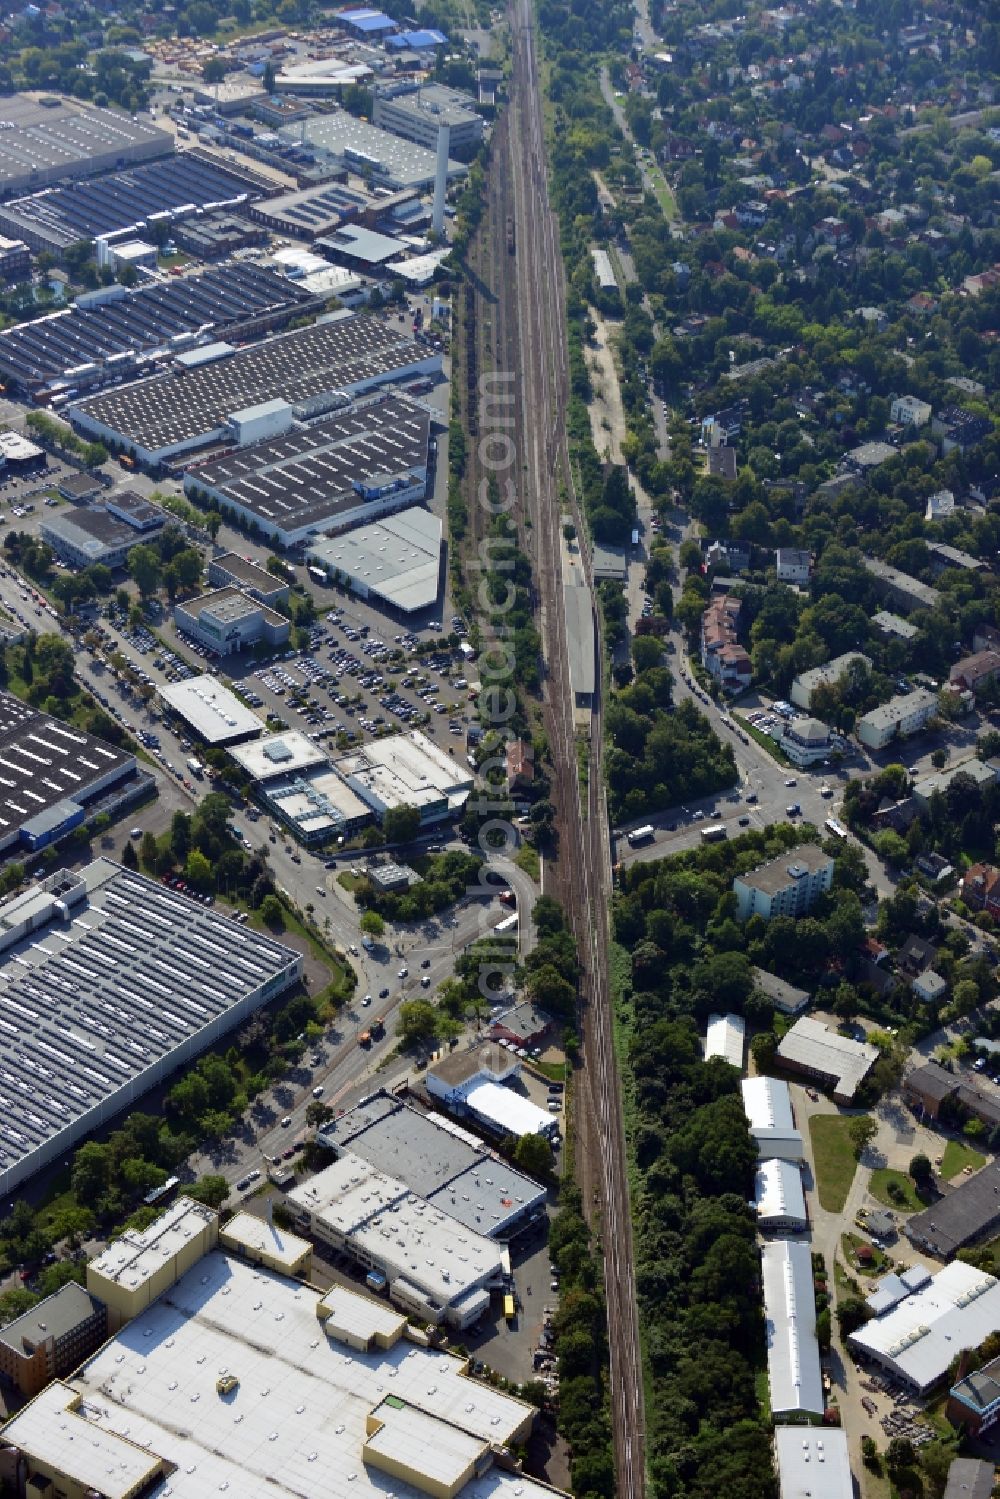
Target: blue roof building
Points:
x,y
367,22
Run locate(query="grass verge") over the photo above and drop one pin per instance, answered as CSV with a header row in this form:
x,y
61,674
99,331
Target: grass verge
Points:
x,y
958,1155
833,1155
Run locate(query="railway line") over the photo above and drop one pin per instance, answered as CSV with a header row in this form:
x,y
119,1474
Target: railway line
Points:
x,y
583,867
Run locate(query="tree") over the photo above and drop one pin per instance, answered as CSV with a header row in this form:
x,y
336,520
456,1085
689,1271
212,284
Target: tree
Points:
x,y
899,1454
130,859
272,913
180,836
401,824
144,569
921,1169
418,1022
211,1190
317,1113
861,1130
198,871
372,924
764,1049
533,1156
213,70
852,1313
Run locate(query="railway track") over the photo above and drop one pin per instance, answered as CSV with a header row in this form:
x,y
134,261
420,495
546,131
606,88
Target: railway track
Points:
x,y
514,317
583,868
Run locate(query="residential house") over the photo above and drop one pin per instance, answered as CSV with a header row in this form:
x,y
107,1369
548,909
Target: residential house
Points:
x,y
793,565
977,671
945,557
830,672
897,719
986,638
922,303
961,429
939,505
900,588
806,742
980,888
722,462
982,772
520,764
910,411
721,653
734,556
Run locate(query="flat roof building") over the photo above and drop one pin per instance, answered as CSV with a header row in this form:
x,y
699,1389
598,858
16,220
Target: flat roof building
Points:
x,y
260,584
813,1464
376,155
779,1200
396,560
110,983
52,775
417,112
787,885
229,620
767,1103
725,1038
812,1048
296,780
260,1241
407,770
894,625
966,1214
439,1161
345,470
178,186
142,1263
104,533
783,995
920,1337
793,1373
970,1478
211,711
899,588
54,139
434,1267
327,1396
314,367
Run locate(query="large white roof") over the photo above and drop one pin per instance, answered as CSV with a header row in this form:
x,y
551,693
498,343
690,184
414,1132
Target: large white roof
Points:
x,y
767,1103
405,770
793,1370
724,1038
778,1192
922,1334
813,1464
508,1110
407,1237
298,1421
278,755
398,558
215,713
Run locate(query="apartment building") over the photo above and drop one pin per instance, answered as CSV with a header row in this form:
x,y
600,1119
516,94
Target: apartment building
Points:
x,y
786,886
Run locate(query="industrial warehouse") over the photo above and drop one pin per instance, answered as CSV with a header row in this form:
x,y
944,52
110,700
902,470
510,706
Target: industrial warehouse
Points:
x,y
445,1165
234,1376
923,1330
396,560
101,337
179,186
361,463
137,981
355,146
51,774
204,400
50,139
417,112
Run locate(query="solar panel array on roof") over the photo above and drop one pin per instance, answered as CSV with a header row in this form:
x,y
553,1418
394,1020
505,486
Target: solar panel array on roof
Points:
x,y
107,995
124,200
169,413
304,476
234,299
311,212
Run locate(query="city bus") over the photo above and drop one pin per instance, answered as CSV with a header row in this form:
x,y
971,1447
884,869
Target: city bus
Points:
x,y
509,924
713,833
836,828
644,834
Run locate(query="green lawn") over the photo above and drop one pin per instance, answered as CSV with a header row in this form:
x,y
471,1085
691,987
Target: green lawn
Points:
x,y
849,1247
833,1154
764,740
527,859
879,1187
958,1155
